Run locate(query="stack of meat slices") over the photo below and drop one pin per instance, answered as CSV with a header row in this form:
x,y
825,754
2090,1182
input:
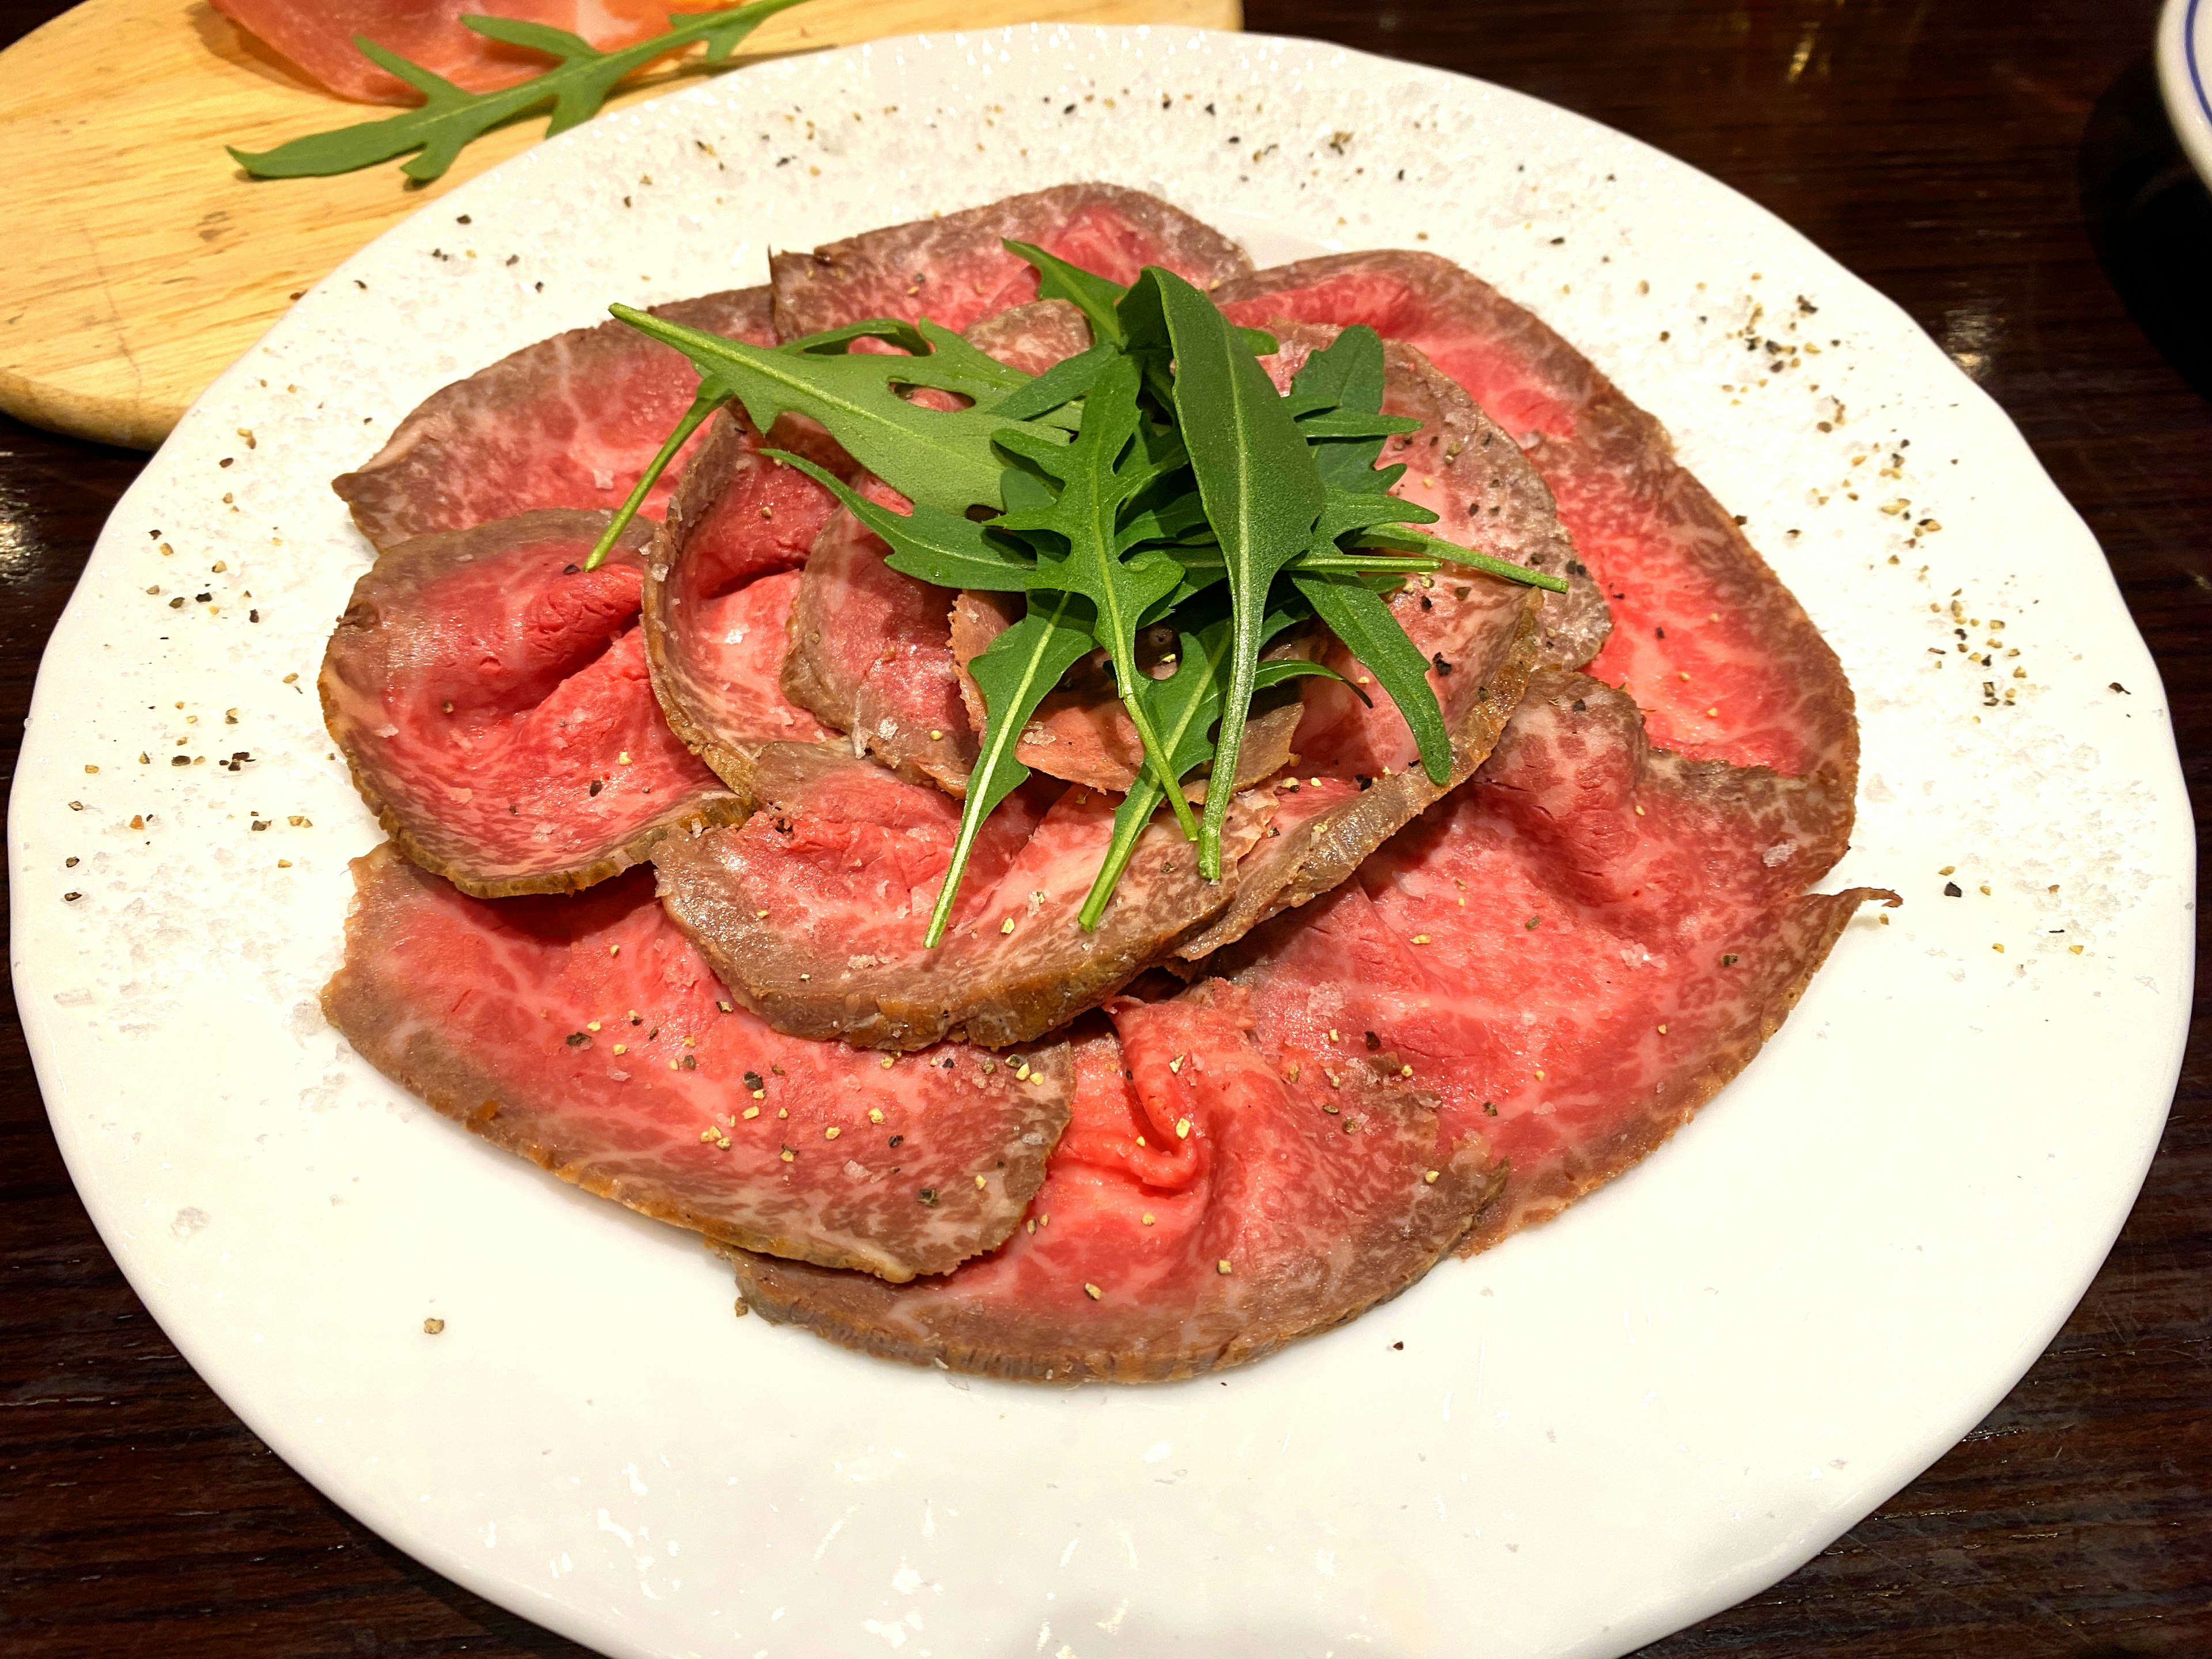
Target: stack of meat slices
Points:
x,y
1408,1019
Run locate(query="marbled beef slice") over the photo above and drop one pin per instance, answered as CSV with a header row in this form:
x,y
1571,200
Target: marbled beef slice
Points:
x,y
491,698
953,269
1727,665
813,911
721,580
1205,1208
870,654
570,422
1576,950
585,1035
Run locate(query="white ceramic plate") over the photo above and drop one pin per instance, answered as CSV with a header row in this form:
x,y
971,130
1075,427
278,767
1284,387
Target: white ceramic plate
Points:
x,y
1606,1428
2184,74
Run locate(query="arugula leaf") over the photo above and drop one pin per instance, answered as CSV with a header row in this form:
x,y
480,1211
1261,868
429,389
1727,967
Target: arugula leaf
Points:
x,y
930,545
449,119
1360,617
1014,672
939,457
1184,707
1400,537
1117,454
1262,490
1059,386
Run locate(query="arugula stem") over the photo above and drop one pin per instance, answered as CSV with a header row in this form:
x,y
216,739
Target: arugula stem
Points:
x,y
708,400
1229,744
1156,758
1131,819
996,771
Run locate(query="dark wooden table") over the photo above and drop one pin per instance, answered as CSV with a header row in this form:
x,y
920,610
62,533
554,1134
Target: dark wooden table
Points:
x,y
1975,159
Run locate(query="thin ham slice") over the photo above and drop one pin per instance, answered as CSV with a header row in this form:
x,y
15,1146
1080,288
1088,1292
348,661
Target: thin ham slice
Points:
x,y
1203,1210
491,698
1725,662
584,1034
954,270
570,422
721,580
318,36
813,911
1576,950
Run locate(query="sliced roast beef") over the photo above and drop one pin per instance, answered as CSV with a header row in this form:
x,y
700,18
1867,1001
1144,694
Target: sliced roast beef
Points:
x,y
1354,793
721,580
1575,951
954,269
813,911
871,655
1725,662
585,1035
570,422
491,698
1205,1207
1032,338
1487,496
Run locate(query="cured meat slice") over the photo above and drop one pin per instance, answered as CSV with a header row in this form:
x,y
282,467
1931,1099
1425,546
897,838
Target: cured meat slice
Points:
x,y
1575,951
813,911
721,580
870,654
954,270
584,1034
492,700
318,36
570,422
1203,1210
1726,663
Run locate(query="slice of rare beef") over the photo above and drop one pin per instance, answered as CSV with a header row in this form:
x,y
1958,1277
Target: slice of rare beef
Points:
x,y
1725,662
721,580
1204,1208
870,654
584,1034
954,270
570,422
1032,338
813,911
491,698
1575,951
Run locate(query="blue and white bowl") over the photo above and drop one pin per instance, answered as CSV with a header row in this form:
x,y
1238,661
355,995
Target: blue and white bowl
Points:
x,y
2185,72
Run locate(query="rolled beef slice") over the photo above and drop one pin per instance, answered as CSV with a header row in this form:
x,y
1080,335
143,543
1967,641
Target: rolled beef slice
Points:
x,y
584,1034
720,579
491,698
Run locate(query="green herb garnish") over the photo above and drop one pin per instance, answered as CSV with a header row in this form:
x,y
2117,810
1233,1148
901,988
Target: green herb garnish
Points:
x,y
450,118
1158,477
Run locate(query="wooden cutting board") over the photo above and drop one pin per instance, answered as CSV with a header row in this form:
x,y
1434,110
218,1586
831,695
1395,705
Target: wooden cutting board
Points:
x,y
141,261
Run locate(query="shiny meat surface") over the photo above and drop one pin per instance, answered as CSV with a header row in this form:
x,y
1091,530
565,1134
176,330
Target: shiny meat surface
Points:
x,y
584,1034
492,700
